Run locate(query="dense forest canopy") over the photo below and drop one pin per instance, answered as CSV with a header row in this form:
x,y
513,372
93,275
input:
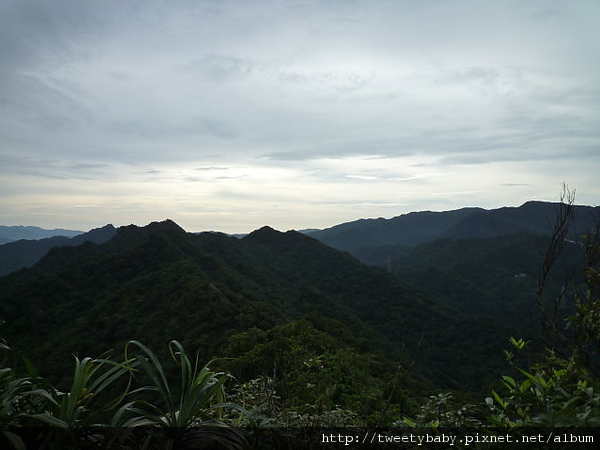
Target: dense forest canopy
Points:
x,y
300,333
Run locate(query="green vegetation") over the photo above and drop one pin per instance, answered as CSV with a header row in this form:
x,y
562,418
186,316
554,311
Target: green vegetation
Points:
x,y
99,400
561,386
297,334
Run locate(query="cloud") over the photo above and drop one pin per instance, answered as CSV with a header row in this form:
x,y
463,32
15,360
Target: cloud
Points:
x,y
220,68
295,104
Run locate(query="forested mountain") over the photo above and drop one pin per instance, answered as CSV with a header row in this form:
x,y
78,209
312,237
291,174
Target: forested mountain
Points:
x,y
313,336
15,233
377,241
495,277
406,230
272,301
486,262
26,252
443,310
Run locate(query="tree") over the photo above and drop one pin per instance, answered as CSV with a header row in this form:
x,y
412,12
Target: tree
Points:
x,y
563,389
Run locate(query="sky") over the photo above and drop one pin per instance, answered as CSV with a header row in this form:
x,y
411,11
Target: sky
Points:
x,y
229,115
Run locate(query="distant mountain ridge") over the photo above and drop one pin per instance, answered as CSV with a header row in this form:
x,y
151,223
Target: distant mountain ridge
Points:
x,y
375,241
18,232
372,241
26,252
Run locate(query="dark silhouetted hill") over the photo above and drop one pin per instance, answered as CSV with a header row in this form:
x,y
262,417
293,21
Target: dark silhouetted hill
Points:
x,y
15,233
158,283
377,241
26,252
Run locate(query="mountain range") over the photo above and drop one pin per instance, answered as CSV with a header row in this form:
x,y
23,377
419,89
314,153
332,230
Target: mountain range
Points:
x,y
15,233
158,283
26,252
375,241
451,290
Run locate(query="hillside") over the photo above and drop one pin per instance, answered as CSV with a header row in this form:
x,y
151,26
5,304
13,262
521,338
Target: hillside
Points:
x,y
26,252
495,277
377,241
15,233
406,230
478,262
210,291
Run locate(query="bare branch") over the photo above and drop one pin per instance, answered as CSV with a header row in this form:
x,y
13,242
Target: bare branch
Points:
x,y
564,220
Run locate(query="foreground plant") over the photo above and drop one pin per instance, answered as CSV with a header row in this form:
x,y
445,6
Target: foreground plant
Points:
x,y
187,413
85,405
18,395
99,409
554,393
32,401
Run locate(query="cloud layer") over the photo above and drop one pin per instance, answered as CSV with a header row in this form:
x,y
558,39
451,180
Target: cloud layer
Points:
x,y
230,115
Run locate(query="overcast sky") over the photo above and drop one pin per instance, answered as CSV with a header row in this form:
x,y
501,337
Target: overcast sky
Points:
x,y
229,115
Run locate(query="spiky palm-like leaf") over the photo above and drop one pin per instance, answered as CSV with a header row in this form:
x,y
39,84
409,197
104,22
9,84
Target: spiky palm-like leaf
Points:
x,y
84,405
180,411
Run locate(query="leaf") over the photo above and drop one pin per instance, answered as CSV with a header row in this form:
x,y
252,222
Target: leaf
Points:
x,y
498,399
509,381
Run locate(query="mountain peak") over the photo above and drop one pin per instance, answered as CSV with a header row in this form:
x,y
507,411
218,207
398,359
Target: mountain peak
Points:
x,y
166,225
264,234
